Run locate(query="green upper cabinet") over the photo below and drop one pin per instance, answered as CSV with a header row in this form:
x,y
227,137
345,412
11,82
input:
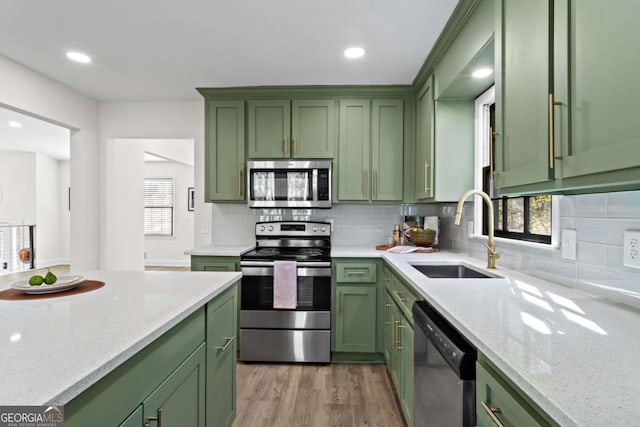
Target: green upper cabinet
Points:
x,y
312,129
565,121
424,142
522,89
596,127
387,149
353,167
371,153
224,151
269,124
282,129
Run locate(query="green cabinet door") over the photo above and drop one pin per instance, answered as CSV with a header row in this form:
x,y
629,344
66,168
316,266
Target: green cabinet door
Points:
x,y
312,129
212,263
594,75
134,420
269,128
424,142
353,168
221,359
180,400
356,318
522,92
405,348
388,327
224,151
395,367
387,150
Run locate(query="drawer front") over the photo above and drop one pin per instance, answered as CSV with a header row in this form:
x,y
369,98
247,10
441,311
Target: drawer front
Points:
x,y
496,398
402,294
356,272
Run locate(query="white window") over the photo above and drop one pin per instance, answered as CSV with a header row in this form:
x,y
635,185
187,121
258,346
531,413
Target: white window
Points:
x,y
158,207
525,218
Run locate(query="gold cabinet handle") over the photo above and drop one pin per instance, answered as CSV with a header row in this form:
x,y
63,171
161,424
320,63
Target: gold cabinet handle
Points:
x,y
395,339
490,142
551,132
356,273
227,343
240,183
385,313
426,178
399,295
285,149
295,145
492,413
400,326
158,419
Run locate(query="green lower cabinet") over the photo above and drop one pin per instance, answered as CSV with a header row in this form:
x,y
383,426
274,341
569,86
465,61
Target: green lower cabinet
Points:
x,y
221,359
134,420
213,263
405,348
497,399
389,306
180,400
355,329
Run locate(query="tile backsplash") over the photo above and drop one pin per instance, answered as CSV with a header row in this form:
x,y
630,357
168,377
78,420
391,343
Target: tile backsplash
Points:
x,y
353,224
599,220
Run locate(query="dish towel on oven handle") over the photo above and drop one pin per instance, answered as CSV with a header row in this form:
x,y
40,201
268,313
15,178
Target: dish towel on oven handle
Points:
x,y
285,284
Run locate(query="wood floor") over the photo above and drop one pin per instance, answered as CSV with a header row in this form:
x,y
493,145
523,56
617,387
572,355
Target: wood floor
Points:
x,y
341,395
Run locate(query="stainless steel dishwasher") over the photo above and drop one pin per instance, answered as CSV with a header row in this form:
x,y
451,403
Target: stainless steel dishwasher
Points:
x,y
444,373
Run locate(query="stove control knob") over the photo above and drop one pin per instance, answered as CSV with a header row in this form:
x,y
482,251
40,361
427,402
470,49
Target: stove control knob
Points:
x,y
323,229
262,228
271,228
315,229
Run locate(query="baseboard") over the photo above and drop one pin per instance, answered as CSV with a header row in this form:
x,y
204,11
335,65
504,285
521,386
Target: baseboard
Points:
x,y
348,357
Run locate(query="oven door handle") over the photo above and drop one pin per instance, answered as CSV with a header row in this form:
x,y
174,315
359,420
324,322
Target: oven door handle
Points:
x,y
313,264
301,271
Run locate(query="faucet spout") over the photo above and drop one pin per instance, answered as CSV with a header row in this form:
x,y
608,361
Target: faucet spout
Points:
x,y
492,255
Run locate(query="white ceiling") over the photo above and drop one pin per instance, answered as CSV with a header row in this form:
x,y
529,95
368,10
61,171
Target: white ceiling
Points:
x,y
163,49
35,135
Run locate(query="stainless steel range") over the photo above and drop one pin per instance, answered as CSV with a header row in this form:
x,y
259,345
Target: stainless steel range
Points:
x,y
301,332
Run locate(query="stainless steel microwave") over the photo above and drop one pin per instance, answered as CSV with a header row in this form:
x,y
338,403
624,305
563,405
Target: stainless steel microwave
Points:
x,y
289,184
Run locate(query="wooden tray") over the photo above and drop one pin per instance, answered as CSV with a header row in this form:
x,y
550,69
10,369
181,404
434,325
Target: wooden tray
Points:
x,y
84,287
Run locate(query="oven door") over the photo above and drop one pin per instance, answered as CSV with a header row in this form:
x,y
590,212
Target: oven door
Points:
x,y
314,288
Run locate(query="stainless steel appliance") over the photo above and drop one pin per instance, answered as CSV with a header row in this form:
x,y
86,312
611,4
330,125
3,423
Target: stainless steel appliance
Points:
x,y
302,334
289,184
444,372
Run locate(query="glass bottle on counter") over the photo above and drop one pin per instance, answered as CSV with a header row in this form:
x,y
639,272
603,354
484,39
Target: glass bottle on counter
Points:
x,y
396,235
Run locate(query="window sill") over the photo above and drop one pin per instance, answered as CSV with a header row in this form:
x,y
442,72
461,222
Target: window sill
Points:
x,y
160,237
516,242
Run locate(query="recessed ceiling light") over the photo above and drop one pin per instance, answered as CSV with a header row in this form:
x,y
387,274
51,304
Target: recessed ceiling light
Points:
x,y
481,73
354,52
15,124
79,57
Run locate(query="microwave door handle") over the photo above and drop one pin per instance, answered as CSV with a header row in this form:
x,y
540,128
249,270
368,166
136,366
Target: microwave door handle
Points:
x,y
314,184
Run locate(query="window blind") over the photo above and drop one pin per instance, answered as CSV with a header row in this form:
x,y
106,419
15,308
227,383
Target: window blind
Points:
x,y
158,207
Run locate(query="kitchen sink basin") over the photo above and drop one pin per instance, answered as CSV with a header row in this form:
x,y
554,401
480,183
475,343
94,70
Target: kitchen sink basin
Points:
x,y
453,271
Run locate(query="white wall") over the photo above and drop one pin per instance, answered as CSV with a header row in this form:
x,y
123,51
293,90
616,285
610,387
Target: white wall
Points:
x,y
28,91
169,251
48,212
65,214
152,120
18,182
124,216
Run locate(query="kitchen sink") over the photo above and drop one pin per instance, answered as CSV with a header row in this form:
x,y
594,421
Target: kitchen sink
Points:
x,y
453,271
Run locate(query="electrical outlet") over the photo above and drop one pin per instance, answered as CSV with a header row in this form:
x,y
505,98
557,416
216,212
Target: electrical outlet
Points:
x,y
631,249
569,244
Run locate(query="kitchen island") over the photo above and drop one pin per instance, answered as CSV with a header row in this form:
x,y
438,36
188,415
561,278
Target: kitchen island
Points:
x,y
573,354
134,333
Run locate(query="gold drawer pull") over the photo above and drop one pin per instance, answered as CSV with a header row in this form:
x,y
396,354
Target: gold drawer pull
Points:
x,y
356,273
158,419
492,413
385,313
227,343
398,294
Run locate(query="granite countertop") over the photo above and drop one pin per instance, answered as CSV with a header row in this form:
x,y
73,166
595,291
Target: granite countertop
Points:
x,y
573,353
55,348
220,250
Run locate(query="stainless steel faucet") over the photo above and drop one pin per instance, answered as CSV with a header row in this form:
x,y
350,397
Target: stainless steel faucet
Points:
x,y
492,255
